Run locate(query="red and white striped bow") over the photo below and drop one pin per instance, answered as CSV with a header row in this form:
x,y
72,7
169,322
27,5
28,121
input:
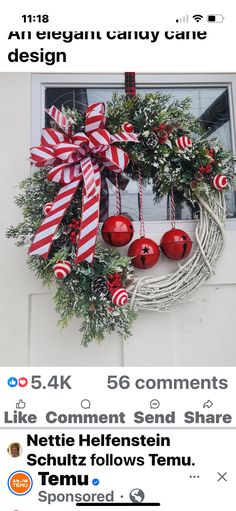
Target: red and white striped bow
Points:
x,y
76,158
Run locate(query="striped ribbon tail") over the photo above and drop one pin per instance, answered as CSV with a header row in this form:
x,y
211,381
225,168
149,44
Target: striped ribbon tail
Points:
x,y
46,231
88,175
89,222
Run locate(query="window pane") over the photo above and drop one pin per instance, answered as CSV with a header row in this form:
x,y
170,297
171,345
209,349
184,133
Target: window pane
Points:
x,y
209,104
72,97
75,98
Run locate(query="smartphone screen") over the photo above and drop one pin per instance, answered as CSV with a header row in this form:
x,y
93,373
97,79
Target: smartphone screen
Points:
x,y
118,212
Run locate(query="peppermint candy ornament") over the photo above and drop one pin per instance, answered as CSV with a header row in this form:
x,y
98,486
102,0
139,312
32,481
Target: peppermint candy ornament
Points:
x,y
62,269
47,208
219,182
120,297
183,142
128,127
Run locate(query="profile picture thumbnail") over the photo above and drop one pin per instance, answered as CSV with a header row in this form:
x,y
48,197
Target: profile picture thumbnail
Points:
x,y
14,449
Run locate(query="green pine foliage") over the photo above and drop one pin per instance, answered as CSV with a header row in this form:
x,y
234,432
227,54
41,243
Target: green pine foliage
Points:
x,y
168,167
73,296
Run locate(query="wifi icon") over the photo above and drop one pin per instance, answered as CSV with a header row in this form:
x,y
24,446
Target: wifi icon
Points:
x,y
197,17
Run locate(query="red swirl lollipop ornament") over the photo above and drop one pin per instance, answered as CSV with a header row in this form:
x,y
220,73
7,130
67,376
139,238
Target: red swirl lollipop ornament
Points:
x,y
184,142
120,297
62,269
219,182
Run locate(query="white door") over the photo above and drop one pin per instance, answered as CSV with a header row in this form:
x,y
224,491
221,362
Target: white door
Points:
x,y
202,332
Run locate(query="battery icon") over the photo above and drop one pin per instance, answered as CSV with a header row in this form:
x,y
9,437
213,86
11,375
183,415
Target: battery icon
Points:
x,y
215,18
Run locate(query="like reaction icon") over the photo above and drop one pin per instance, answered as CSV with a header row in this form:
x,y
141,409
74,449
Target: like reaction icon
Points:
x,y
12,382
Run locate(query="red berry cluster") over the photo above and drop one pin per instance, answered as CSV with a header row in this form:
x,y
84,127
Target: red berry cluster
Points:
x,y
114,281
163,132
206,169
211,153
74,230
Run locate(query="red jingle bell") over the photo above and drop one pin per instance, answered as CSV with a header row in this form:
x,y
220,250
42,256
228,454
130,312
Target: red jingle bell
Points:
x,y
117,230
144,252
176,244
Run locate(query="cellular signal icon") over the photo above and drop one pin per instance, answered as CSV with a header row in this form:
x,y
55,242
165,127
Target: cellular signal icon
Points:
x,y
184,19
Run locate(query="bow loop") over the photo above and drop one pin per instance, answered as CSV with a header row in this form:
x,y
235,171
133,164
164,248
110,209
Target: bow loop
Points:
x,y
42,156
115,159
56,174
95,117
51,137
80,138
99,140
124,136
63,151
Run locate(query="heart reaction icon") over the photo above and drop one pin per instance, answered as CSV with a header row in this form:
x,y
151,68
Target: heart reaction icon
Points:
x,y
22,382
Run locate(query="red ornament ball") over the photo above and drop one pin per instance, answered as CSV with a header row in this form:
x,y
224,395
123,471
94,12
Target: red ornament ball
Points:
x,y
128,127
117,230
144,252
176,244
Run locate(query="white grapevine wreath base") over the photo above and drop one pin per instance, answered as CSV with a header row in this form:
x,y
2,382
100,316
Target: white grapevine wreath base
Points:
x,y
165,292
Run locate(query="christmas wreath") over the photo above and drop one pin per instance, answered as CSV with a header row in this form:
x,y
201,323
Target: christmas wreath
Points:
x,y
146,137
